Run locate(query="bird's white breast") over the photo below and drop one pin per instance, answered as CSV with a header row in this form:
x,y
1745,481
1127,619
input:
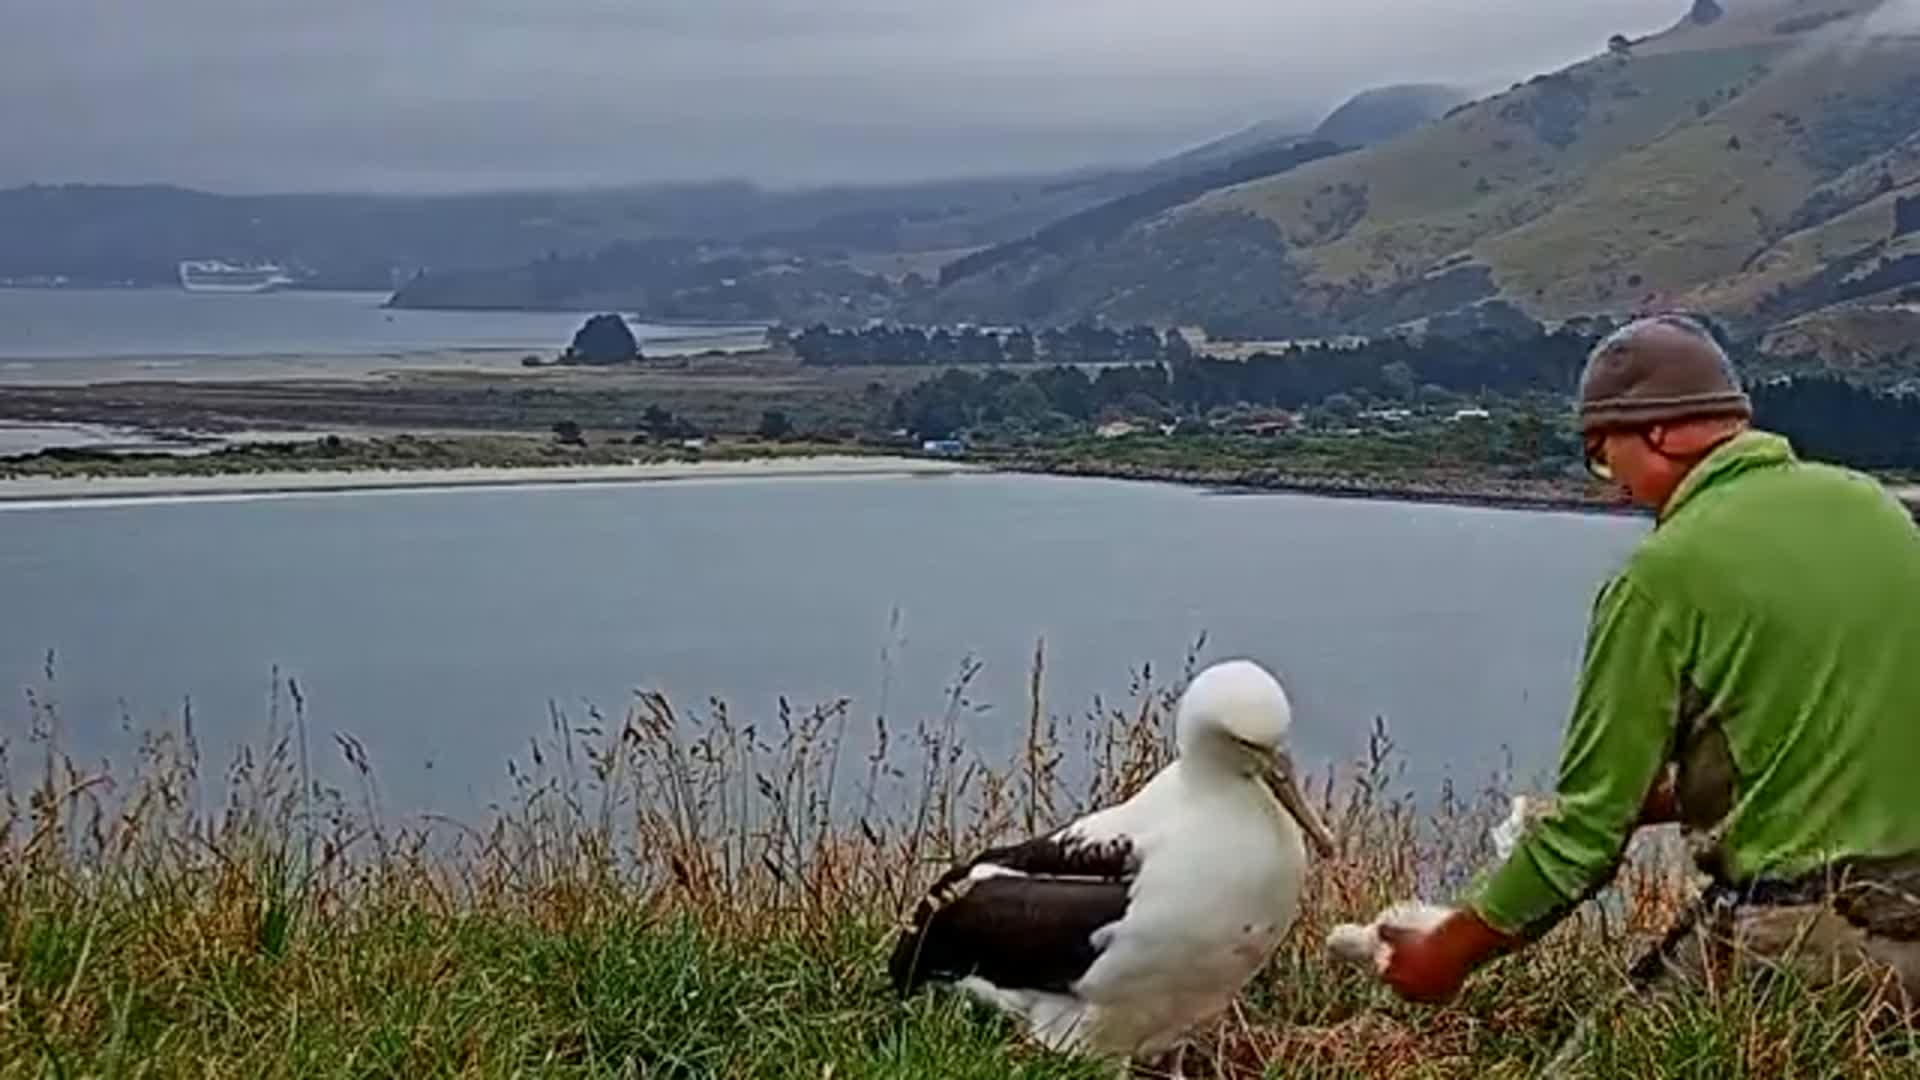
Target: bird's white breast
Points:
x,y
1221,869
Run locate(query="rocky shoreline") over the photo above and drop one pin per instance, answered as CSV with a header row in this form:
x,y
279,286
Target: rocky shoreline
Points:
x,y
1495,494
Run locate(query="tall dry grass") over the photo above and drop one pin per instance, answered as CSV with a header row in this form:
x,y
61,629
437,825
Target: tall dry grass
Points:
x,y
677,892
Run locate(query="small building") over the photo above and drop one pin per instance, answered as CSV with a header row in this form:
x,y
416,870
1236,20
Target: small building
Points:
x,y
1267,429
1471,414
1115,429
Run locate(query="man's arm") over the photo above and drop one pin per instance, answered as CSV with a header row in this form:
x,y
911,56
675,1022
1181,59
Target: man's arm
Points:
x,y
1612,780
1618,741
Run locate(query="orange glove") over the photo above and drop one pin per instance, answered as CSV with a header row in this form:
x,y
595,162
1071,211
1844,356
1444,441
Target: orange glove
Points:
x,y
1431,967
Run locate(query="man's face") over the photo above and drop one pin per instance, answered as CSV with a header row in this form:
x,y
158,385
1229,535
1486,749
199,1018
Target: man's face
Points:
x,y
1633,461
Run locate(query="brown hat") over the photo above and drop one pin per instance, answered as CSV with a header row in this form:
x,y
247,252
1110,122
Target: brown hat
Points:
x,y
1656,371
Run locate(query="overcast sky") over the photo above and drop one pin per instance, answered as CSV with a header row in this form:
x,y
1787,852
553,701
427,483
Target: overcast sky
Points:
x,y
465,94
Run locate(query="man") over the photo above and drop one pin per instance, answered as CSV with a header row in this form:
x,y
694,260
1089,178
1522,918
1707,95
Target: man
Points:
x,y
1753,673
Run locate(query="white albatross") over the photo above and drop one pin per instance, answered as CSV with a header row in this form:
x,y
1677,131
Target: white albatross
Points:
x,y
1116,934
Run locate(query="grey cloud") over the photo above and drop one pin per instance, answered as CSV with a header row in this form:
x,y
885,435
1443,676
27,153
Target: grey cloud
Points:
x,y
1895,17
463,94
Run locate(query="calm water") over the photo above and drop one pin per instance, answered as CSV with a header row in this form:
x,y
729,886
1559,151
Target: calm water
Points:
x,y
85,323
437,627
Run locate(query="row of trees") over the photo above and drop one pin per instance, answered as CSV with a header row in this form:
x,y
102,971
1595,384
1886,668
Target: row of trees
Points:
x,y
1388,369
976,346
1831,419
1489,358
1827,417
1393,368
1061,398
657,424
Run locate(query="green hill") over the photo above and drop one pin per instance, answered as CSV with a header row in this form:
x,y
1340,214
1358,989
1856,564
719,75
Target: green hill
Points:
x,y
1752,164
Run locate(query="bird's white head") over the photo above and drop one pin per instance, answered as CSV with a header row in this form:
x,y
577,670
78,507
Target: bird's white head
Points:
x,y
1235,716
1232,704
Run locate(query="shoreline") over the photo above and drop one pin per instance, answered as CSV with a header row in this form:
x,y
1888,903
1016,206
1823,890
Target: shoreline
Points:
x,y
186,369
1544,498
1274,482
64,490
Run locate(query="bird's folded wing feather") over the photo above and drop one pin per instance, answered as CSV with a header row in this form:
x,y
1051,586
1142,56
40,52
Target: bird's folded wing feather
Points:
x,y
1020,917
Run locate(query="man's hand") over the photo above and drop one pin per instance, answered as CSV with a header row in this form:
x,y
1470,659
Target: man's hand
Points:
x,y
1431,967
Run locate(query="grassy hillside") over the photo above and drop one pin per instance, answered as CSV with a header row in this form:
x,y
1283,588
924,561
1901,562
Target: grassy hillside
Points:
x,y
669,894
1712,164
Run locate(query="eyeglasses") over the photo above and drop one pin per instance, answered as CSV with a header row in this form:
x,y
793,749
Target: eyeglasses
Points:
x,y
1596,457
1653,439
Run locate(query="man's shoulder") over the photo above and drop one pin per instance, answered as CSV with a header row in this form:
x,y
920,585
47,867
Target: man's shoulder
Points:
x,y
1817,498
1794,493
1815,510
1665,556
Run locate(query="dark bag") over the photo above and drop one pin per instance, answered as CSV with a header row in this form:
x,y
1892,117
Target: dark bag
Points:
x,y
1880,896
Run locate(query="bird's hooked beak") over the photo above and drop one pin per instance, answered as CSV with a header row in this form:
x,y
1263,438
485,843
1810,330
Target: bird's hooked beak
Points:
x,y
1276,771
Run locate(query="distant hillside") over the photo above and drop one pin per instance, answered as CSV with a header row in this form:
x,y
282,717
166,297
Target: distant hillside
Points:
x,y
666,280
1368,117
1266,135
138,234
1387,113
1750,161
1869,343
1089,229
769,276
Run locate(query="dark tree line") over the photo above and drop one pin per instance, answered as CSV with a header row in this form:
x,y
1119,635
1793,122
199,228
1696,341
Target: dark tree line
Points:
x,y
973,346
1831,419
1906,216
1392,369
1827,417
1484,362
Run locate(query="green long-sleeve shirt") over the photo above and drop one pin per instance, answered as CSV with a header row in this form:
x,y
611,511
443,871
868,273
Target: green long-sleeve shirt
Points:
x,y
1776,602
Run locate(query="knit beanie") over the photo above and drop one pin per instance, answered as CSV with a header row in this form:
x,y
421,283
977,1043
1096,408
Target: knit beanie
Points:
x,y
1655,371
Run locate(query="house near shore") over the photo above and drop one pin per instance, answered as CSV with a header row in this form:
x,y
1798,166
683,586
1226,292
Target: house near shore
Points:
x,y
1266,429
1265,424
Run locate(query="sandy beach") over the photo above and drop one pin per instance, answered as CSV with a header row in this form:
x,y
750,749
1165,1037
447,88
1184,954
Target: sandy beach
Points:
x,y
49,490
92,371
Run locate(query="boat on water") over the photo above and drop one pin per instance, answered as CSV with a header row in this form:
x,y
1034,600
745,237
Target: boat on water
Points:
x,y
215,275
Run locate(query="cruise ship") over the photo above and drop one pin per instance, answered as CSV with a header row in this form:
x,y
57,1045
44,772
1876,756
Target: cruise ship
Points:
x,y
213,275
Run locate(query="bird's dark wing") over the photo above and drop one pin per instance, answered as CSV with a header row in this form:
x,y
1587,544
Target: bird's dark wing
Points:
x,y
1029,925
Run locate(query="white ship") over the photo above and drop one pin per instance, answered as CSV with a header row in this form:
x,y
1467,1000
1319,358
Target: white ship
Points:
x,y
213,275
